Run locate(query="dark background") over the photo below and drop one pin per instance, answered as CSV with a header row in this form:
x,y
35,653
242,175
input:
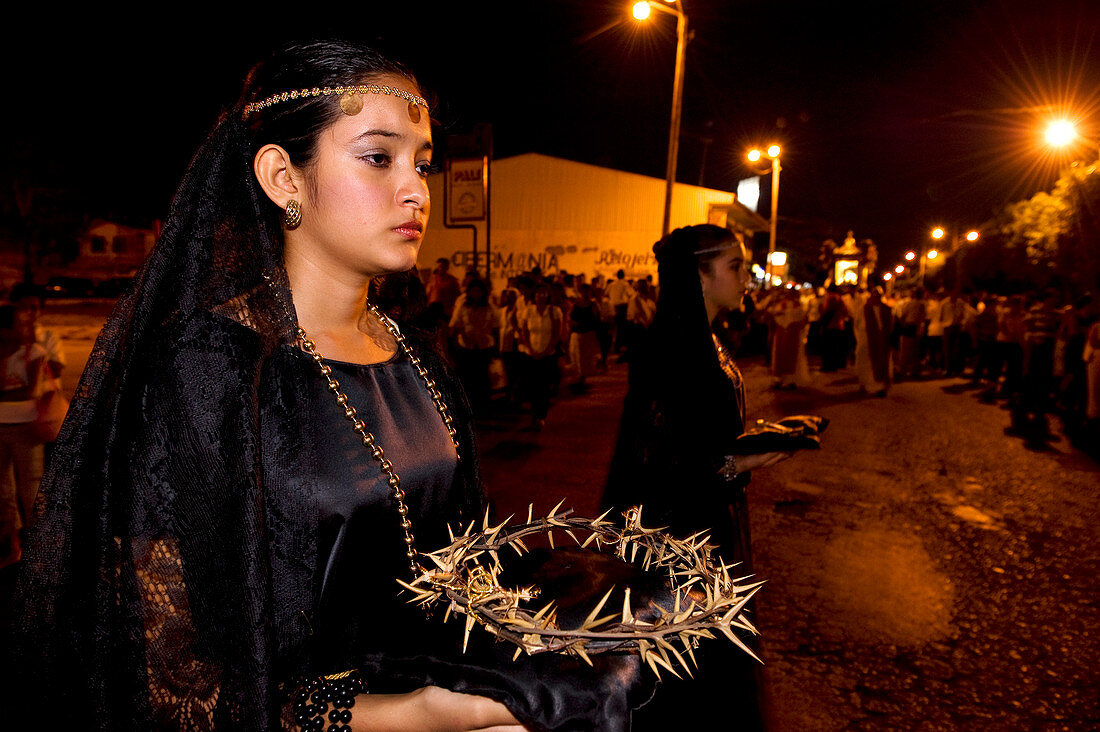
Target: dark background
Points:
x,y
893,116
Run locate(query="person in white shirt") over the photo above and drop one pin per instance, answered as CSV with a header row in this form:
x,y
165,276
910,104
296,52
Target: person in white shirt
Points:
x,y
639,314
22,456
933,336
619,293
540,335
474,327
31,303
955,313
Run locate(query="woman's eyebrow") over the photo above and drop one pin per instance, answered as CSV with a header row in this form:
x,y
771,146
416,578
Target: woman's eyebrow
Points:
x,y
379,133
390,134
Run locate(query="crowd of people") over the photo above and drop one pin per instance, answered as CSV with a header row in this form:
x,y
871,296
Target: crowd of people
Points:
x,y
1036,352
517,348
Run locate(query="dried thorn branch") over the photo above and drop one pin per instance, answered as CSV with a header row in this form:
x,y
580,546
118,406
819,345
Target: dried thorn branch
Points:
x,y
465,577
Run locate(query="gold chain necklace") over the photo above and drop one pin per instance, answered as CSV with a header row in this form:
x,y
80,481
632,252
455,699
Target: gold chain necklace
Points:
x,y
369,442
729,367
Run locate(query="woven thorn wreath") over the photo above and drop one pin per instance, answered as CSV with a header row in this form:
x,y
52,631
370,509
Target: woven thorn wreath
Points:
x,y
703,597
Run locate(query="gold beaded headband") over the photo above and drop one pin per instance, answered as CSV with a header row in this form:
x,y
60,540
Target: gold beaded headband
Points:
x,y
350,101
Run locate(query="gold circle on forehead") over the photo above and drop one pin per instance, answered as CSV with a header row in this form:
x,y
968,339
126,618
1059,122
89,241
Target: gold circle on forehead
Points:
x,y
351,103
414,112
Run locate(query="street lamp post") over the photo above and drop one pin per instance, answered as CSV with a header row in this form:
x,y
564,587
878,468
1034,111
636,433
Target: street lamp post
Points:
x,y
773,153
641,12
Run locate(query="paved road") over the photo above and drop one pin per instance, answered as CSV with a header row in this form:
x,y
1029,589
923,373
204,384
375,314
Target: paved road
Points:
x,y
924,570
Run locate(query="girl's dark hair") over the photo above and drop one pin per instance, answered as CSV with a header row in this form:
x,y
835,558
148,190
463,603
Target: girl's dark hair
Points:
x,y
680,326
296,124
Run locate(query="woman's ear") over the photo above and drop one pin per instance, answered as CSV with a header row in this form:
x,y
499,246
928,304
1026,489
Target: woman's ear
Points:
x,y
276,174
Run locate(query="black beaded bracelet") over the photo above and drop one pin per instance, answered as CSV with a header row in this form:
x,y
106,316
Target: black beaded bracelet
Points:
x,y
316,695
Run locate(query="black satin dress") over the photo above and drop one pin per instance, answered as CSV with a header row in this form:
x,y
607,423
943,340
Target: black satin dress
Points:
x,y
360,608
362,618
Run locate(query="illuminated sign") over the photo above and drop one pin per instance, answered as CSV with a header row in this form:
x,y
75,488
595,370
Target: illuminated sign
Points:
x,y
748,192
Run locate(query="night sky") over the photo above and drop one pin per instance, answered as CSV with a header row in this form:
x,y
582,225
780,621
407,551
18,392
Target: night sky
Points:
x,y
894,116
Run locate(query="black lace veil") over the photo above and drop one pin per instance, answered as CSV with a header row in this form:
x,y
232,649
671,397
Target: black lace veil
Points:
x,y
167,580
681,411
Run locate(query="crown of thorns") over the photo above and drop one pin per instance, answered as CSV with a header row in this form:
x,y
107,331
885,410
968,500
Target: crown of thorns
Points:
x,y
705,599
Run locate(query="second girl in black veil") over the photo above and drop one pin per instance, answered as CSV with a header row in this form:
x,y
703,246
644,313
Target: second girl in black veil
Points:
x,y
684,408
216,524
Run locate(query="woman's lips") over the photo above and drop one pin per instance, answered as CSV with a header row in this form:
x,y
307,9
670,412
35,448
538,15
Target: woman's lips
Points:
x,y
410,229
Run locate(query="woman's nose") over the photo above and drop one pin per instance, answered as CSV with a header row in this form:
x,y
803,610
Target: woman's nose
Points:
x,y
414,190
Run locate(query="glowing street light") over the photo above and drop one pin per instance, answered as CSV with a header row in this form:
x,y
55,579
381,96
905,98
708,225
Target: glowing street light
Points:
x,y
940,233
899,269
753,156
672,7
937,233
887,276
1060,132
910,256
1063,133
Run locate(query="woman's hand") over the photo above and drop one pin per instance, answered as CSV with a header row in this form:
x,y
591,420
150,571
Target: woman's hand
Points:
x,y
746,463
431,709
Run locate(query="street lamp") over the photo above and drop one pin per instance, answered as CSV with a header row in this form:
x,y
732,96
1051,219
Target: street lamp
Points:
x,y
1060,132
939,234
1063,133
641,11
773,153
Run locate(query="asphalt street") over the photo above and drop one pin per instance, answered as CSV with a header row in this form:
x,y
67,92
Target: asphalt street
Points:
x,y
924,570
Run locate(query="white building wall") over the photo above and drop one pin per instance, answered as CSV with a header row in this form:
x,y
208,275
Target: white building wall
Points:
x,y
562,215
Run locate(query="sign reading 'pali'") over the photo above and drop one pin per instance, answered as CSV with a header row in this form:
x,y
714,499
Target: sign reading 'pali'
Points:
x,y
467,182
